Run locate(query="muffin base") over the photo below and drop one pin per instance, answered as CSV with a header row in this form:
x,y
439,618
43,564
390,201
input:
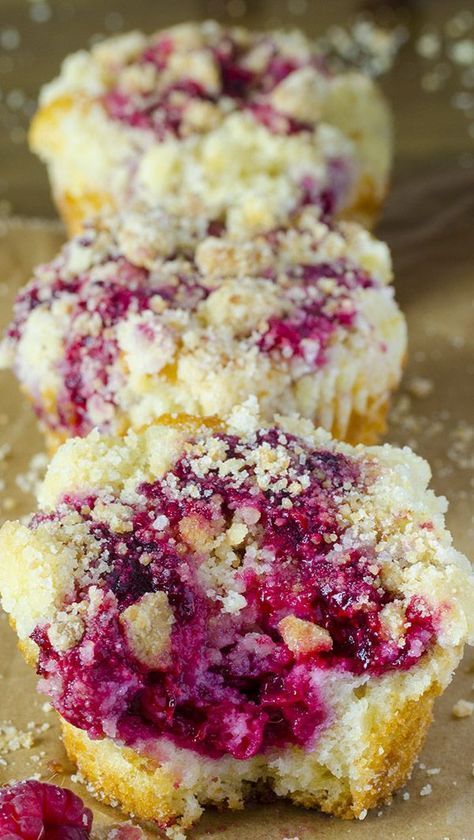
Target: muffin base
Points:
x,y
149,791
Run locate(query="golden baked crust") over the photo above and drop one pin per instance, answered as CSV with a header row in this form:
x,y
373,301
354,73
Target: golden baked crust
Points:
x,y
367,428
121,775
365,208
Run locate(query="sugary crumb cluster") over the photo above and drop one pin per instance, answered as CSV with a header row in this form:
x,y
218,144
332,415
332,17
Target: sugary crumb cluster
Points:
x,y
148,313
249,125
31,810
204,583
187,80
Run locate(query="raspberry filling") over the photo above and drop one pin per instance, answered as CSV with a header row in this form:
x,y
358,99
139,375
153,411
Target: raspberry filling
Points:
x,y
233,681
163,108
320,299
33,810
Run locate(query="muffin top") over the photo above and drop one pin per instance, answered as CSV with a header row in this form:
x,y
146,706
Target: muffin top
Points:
x,y
205,581
257,114
148,313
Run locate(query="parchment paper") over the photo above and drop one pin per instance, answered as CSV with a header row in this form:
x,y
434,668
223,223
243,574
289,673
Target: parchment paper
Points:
x,y
428,223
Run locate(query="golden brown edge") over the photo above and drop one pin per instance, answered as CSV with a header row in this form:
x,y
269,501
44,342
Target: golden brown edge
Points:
x,y
120,774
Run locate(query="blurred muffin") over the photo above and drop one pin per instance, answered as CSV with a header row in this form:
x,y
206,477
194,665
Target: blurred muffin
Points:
x,y
215,606
147,313
244,126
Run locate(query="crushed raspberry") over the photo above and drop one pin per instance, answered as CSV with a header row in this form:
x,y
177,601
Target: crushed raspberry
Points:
x,y
159,52
233,686
163,111
33,810
106,684
164,120
237,81
276,122
307,333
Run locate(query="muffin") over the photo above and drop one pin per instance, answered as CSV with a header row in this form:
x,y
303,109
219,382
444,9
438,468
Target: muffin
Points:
x,y
219,607
246,127
147,313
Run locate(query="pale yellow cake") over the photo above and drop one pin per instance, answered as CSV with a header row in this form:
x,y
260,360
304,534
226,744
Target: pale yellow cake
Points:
x,y
244,126
147,313
221,607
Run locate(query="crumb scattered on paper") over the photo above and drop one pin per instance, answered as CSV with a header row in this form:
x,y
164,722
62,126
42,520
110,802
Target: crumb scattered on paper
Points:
x,y
13,739
463,709
420,387
28,481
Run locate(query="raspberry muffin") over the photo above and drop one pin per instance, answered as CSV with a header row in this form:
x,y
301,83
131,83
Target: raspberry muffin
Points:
x,y
147,313
216,607
243,126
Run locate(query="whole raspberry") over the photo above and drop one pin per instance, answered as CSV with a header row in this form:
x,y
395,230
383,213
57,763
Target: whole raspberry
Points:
x,y
35,811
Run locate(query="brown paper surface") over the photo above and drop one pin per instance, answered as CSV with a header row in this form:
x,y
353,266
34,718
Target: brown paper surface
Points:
x,y
428,222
